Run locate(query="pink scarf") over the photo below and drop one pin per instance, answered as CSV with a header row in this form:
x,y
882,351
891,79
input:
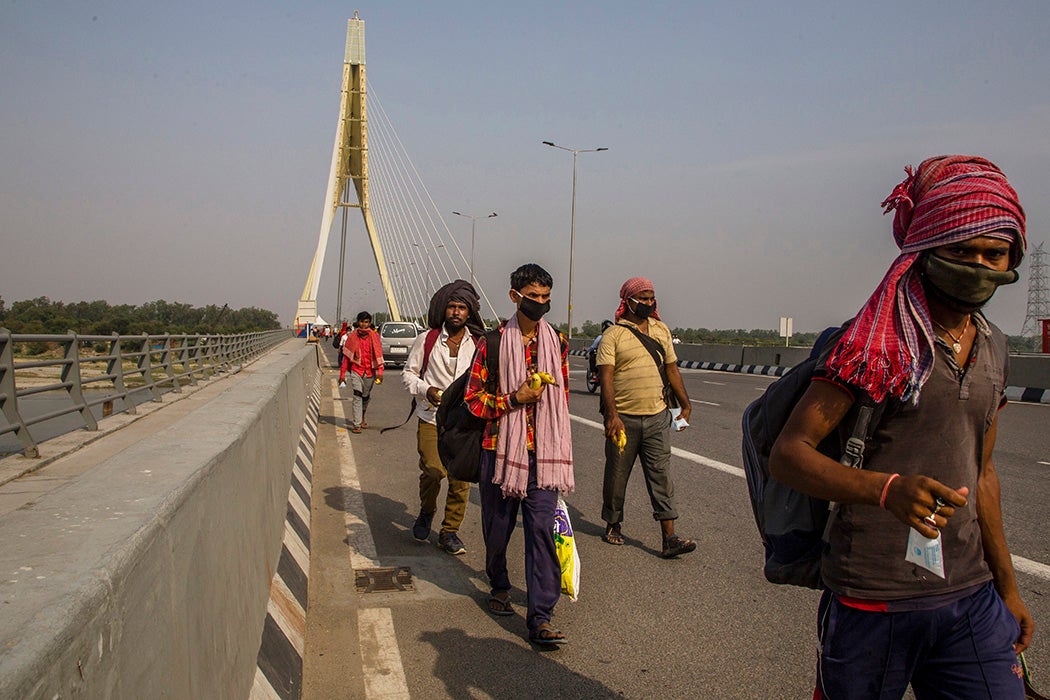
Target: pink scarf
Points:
x,y
553,430
888,349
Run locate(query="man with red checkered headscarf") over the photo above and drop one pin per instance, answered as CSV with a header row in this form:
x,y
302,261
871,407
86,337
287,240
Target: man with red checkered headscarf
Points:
x,y
920,586
638,374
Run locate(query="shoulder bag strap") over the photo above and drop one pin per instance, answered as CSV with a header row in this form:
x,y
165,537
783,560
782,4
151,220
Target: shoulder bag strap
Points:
x,y
654,349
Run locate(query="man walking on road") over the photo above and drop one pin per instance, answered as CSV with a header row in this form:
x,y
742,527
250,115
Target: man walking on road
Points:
x,y
639,378
920,586
437,358
526,456
363,351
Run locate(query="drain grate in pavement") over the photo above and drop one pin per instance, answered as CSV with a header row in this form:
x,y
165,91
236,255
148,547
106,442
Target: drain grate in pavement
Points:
x,y
383,579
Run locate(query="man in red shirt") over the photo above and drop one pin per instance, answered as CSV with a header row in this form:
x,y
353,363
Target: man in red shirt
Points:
x,y
363,351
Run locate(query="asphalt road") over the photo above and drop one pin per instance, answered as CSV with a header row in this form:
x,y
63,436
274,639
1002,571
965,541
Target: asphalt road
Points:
x,y
707,625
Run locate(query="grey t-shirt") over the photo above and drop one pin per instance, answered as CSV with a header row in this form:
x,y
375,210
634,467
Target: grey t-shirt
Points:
x,y
942,437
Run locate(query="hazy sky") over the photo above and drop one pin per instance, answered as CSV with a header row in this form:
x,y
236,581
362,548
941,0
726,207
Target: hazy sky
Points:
x,y
180,151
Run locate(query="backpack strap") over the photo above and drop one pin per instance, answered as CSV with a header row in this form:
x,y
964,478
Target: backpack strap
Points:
x,y
428,345
492,342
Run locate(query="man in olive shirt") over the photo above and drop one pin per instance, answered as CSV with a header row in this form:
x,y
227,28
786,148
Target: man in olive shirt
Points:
x,y
636,362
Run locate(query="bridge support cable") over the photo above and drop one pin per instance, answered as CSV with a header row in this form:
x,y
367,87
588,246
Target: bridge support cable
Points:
x,y
445,252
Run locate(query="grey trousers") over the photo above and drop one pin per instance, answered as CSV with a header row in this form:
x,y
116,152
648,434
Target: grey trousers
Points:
x,y
362,387
648,437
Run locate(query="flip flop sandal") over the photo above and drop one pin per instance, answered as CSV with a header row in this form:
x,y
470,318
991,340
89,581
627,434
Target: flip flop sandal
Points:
x,y
500,606
546,635
613,536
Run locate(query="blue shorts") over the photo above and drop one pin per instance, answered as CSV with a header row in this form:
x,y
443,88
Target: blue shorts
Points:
x,y
962,650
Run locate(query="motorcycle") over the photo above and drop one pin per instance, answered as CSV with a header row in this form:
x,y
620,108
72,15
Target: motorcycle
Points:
x,y
592,372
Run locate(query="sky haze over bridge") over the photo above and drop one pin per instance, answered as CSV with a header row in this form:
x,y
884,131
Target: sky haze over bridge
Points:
x,y
180,151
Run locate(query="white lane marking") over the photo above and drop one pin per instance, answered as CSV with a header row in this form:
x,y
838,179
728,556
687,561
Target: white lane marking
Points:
x,y
705,461
384,674
706,403
362,546
1046,463
705,381
1032,568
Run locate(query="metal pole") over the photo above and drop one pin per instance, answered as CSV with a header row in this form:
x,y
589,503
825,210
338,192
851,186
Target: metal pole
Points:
x,y
342,261
572,224
473,221
572,237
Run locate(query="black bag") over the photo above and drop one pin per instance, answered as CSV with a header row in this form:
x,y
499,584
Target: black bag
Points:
x,y
460,432
792,524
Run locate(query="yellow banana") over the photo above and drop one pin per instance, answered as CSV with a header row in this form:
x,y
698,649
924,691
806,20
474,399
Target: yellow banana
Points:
x,y
620,441
547,378
538,379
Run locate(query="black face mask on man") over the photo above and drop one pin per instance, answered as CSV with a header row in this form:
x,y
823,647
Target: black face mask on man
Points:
x,y
531,308
642,310
963,287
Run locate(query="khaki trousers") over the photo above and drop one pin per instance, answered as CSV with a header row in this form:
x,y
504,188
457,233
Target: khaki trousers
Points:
x,y
431,472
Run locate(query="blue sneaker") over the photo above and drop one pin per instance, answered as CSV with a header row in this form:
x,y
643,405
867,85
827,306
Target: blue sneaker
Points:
x,y
450,542
421,528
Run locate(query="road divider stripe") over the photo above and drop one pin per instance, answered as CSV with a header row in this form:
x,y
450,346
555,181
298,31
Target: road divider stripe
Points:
x,y
382,670
279,663
1032,568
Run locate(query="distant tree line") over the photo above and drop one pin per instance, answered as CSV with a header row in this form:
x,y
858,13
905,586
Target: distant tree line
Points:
x,y
737,336
41,315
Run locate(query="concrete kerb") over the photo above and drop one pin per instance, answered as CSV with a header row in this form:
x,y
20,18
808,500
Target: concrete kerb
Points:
x,y
15,466
149,574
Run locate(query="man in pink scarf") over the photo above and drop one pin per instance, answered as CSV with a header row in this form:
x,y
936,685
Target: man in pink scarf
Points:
x,y
526,451
363,355
920,585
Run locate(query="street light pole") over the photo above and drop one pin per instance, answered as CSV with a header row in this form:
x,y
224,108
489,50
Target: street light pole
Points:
x,y
473,221
572,221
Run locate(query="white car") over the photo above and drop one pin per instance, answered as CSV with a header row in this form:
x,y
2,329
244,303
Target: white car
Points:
x,y
397,338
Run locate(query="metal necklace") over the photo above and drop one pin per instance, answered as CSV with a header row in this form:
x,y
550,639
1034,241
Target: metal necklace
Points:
x,y
956,342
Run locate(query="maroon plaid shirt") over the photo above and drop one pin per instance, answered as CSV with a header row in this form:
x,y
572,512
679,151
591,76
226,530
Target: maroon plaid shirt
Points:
x,y
489,406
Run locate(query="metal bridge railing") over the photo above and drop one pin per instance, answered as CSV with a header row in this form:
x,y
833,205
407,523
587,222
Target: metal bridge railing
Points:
x,y
116,365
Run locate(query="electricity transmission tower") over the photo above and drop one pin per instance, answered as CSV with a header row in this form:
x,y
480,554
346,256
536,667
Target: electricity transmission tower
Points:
x,y
1038,295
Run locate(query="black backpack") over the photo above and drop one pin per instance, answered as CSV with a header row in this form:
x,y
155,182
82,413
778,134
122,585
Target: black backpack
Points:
x,y
460,432
794,525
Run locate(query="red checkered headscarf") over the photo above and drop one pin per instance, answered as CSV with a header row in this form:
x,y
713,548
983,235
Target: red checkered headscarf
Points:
x,y
888,349
629,289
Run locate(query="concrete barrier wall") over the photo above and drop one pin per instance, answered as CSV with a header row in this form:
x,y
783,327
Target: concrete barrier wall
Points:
x,y
148,576
1025,370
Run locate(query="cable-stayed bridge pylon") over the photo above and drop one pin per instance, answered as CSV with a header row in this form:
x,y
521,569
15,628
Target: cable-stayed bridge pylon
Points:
x,y
414,250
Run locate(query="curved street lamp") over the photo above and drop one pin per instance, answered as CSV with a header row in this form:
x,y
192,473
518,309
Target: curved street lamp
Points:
x,y
572,223
473,221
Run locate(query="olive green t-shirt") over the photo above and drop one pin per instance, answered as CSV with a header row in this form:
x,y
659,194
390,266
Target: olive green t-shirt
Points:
x,y
636,379
940,437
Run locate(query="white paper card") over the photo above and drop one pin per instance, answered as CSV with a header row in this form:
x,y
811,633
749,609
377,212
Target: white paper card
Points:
x,y
678,423
925,552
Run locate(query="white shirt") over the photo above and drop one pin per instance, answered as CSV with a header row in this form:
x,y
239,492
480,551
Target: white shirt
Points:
x,y
442,369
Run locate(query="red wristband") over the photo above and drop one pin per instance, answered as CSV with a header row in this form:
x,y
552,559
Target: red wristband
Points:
x,y
886,490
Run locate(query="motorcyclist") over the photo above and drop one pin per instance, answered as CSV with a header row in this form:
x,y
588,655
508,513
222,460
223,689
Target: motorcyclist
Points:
x,y
592,351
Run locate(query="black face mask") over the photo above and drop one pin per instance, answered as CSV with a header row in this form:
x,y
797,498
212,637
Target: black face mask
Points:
x,y
963,287
532,309
642,310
